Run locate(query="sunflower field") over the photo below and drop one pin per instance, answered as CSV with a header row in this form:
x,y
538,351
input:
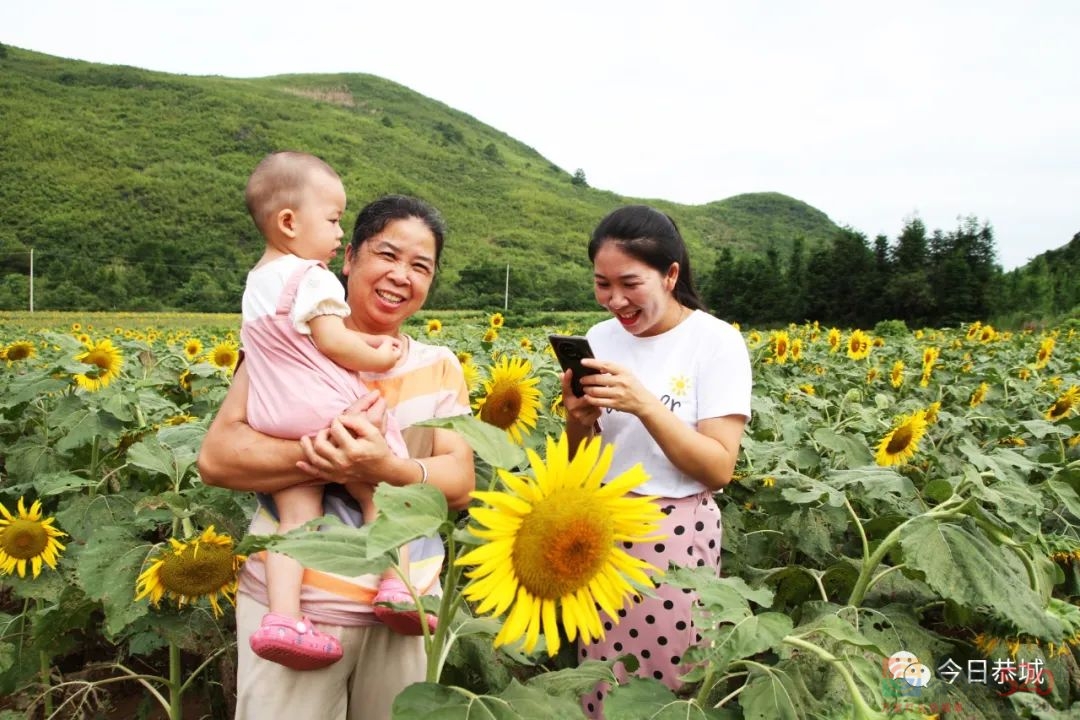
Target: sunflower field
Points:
x,y
902,499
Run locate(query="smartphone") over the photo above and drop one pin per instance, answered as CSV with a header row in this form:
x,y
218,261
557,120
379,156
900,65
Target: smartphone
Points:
x,y
570,349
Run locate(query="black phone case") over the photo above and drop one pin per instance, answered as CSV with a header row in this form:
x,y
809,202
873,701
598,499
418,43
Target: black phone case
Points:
x,y
569,350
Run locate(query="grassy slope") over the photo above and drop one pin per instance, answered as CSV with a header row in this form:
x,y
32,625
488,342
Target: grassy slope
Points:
x,y
126,178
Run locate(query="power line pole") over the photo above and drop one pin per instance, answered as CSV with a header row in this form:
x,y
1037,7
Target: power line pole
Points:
x,y
506,292
31,279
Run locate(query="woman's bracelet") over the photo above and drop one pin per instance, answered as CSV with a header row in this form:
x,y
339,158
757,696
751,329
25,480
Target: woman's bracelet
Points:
x,y
423,471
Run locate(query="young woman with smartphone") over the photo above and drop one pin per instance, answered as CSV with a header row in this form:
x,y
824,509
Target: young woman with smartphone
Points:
x,y
672,392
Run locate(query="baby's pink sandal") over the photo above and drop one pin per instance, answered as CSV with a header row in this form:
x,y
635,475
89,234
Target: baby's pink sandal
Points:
x,y
296,644
403,622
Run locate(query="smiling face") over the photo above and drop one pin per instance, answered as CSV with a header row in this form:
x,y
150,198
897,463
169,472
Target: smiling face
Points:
x,y
316,221
389,276
639,296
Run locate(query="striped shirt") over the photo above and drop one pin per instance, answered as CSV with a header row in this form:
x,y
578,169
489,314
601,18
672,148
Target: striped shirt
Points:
x,y
428,384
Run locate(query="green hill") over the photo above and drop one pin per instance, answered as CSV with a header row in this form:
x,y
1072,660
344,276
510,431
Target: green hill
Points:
x,y
128,185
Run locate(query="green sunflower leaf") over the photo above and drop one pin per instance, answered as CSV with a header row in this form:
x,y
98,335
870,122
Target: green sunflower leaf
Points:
x,y
431,700
648,699
852,449
405,514
1065,495
531,702
489,442
172,461
337,549
963,565
108,568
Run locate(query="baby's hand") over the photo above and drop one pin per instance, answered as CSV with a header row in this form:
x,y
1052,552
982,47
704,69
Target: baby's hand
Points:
x,y
386,351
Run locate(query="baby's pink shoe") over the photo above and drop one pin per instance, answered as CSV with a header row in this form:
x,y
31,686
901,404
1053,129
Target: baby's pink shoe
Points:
x,y
403,622
296,644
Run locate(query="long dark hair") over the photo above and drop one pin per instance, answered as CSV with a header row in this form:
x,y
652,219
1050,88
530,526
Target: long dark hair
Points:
x,y
377,214
652,237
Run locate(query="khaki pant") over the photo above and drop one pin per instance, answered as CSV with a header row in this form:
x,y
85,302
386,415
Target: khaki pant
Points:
x,y
377,665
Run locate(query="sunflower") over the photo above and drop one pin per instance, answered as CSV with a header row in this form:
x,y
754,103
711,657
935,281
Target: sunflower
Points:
x,y
834,340
434,326
472,375
76,327
781,345
896,375
808,389
510,398
107,360
973,330
225,355
1046,348
1064,405
27,537
525,344
84,339
987,334
20,350
796,349
490,336
554,545
558,409
930,356
753,339
979,395
179,419
900,444
871,375
496,321
193,348
858,345
202,567
932,412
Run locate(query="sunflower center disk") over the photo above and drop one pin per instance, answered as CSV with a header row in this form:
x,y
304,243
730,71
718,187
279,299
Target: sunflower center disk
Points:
x,y
502,408
198,570
901,439
24,539
561,546
99,358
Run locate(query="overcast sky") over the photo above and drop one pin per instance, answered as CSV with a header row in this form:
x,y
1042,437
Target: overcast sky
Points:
x,y
870,111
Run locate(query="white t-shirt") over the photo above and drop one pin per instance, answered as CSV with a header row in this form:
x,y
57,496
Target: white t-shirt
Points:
x,y
319,293
699,369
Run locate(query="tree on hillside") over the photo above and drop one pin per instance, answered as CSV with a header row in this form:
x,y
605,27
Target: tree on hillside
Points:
x,y
908,295
840,287
962,272
578,180
795,279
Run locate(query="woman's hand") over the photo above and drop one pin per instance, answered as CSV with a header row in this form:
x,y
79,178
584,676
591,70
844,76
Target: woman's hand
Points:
x,y
615,387
352,448
578,409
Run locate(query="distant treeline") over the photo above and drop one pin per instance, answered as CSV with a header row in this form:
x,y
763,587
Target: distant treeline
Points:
x,y
926,280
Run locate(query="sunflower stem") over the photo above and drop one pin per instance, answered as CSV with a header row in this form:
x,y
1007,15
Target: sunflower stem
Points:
x,y
947,509
45,664
93,471
176,687
195,673
859,525
860,709
436,652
